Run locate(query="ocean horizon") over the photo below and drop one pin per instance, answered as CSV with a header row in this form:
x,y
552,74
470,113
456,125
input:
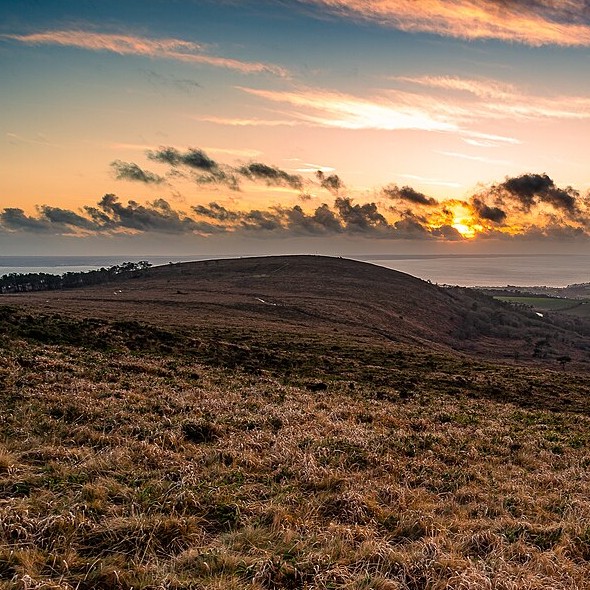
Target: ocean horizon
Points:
x,y
469,270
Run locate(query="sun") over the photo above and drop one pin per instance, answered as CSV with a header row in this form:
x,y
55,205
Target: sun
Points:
x,y
461,219
465,230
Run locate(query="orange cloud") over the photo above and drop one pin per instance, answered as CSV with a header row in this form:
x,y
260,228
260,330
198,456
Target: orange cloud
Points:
x,y
543,22
176,49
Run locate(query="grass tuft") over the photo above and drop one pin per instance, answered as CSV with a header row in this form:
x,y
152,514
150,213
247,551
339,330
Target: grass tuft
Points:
x,y
200,432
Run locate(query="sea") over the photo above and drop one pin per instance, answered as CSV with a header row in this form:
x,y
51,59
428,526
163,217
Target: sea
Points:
x,y
474,270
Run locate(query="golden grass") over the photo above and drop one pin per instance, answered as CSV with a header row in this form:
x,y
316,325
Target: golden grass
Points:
x,y
126,471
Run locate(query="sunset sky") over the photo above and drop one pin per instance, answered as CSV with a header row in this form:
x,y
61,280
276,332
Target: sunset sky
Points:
x,y
276,126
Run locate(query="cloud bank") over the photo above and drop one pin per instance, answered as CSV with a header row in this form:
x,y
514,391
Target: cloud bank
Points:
x,y
529,206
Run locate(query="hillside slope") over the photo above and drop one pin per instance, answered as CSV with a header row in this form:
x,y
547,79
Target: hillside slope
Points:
x,y
320,295
270,424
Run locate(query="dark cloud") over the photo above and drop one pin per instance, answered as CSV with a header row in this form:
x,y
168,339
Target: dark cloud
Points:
x,y
108,216
218,177
165,155
407,193
192,158
536,233
198,159
293,221
494,214
53,220
157,216
15,219
333,183
410,228
322,222
131,171
206,170
271,175
299,222
530,189
59,216
256,220
111,216
361,218
99,217
211,172
253,220
558,232
409,214
325,217
447,232
217,212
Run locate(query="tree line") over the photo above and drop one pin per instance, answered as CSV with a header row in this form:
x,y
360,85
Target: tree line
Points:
x,y
15,282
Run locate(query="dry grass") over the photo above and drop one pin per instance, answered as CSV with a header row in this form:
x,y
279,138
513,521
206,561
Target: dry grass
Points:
x,y
127,470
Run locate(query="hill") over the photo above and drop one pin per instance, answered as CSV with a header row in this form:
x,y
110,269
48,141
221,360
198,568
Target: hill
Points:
x,y
274,423
301,295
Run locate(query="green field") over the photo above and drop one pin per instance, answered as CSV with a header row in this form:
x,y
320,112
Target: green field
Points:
x,y
577,307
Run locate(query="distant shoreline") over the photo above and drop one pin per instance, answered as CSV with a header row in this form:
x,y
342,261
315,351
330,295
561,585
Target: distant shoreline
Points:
x,y
466,270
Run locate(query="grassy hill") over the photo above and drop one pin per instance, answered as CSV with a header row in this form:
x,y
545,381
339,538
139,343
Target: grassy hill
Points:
x,y
317,296
290,422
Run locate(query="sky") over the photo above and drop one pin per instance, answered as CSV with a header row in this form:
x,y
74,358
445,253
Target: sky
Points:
x,y
291,126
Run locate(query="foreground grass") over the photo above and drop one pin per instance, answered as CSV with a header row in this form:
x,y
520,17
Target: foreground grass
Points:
x,y
126,470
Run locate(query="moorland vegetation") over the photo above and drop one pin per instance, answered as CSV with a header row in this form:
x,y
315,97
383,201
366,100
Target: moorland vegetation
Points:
x,y
290,423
